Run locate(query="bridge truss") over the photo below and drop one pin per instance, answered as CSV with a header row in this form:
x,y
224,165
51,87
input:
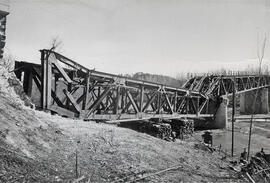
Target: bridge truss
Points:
x,y
214,86
65,87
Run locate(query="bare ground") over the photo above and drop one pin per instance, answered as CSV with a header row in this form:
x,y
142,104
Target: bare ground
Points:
x,y
38,147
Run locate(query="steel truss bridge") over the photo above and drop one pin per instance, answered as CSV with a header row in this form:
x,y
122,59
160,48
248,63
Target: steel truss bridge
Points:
x,y
65,87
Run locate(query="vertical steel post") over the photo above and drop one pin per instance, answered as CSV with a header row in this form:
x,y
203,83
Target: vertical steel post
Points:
x,y
117,99
175,102
187,104
198,106
46,69
49,83
43,80
86,90
159,102
141,97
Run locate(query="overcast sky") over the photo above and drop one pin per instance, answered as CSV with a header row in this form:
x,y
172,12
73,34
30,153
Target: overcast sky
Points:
x,y
154,36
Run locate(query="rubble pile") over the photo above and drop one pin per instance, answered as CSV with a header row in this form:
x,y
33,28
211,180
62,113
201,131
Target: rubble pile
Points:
x,y
258,168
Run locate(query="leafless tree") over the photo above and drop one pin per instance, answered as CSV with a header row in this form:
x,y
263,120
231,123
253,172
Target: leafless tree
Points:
x,y
55,44
260,53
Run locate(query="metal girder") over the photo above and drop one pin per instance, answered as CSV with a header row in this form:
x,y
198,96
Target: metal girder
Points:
x,y
223,84
72,100
134,104
93,93
98,101
168,102
150,101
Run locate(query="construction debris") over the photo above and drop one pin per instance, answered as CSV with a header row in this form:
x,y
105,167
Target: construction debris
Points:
x,y
258,168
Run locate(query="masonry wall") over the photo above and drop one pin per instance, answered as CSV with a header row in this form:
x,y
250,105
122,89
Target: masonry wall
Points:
x,y
4,8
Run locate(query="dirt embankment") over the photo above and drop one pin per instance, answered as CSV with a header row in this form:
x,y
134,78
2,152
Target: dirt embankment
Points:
x,y
38,147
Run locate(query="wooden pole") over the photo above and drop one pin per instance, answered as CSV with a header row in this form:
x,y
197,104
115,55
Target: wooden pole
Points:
x,y
249,136
233,114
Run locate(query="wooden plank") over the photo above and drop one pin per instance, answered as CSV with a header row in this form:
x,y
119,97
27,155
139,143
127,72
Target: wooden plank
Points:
x,y
72,100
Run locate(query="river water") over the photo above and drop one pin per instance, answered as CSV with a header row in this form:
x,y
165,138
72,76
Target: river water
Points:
x,y
224,138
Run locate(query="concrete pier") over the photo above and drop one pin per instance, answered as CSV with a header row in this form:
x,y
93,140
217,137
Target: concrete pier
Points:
x,y
261,105
221,117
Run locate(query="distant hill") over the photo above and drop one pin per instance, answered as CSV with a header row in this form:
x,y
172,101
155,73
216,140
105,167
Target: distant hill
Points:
x,y
166,80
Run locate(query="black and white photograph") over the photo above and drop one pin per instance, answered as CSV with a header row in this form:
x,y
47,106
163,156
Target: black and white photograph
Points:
x,y
134,91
